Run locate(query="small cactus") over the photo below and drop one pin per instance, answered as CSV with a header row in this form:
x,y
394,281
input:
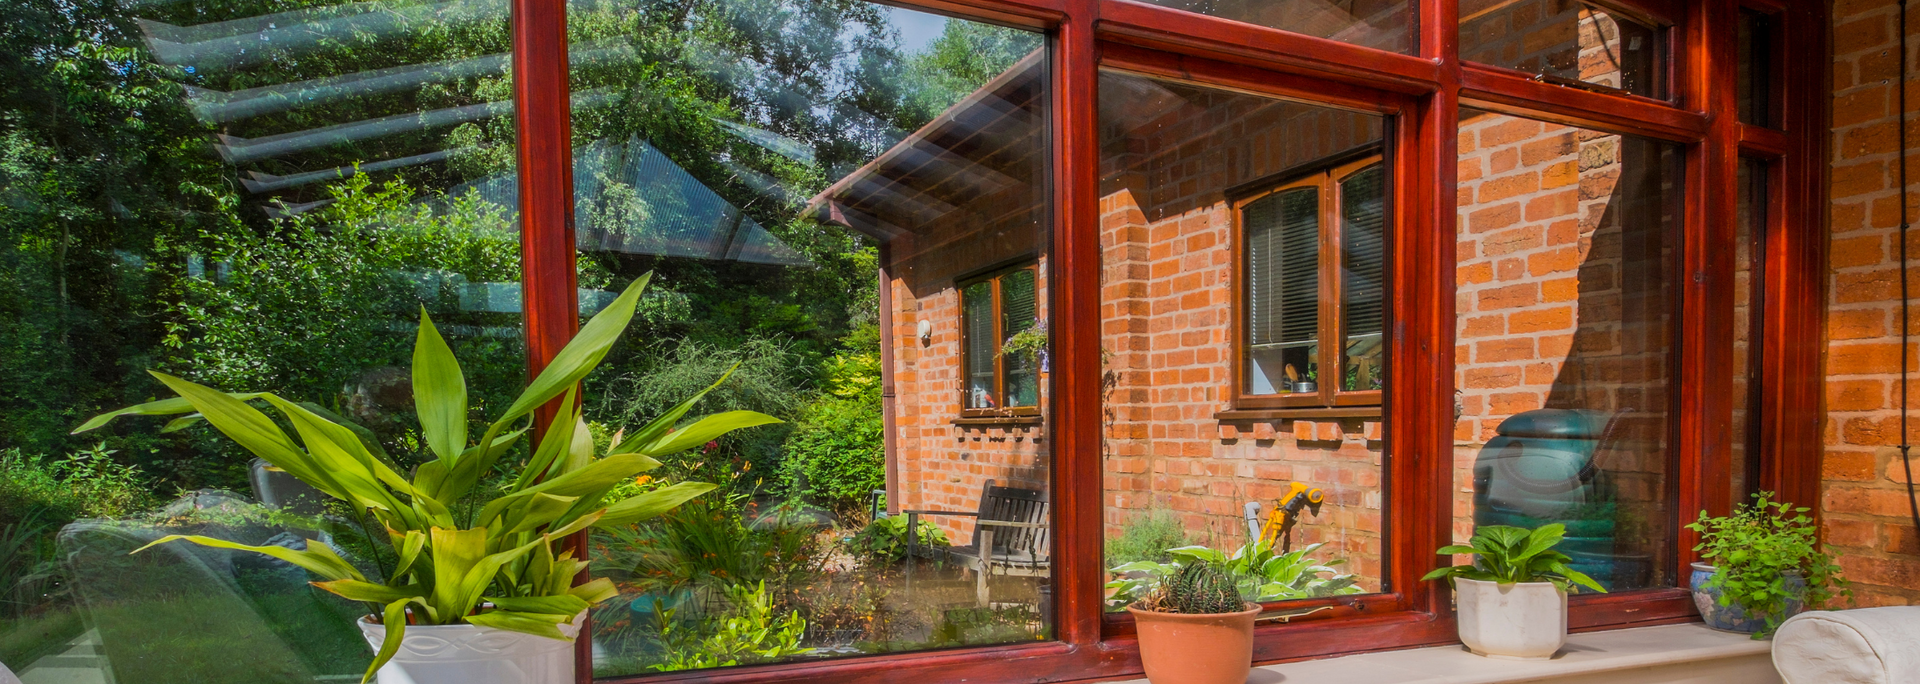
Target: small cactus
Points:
x,y
1196,589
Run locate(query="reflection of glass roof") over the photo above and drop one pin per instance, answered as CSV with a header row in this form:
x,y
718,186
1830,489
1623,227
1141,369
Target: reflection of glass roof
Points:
x,y
631,199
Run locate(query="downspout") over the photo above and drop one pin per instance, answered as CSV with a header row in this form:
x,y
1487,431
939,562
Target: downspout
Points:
x,y
1906,302
890,443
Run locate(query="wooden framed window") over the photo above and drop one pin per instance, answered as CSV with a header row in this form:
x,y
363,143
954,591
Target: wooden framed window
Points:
x,y
1310,273
993,309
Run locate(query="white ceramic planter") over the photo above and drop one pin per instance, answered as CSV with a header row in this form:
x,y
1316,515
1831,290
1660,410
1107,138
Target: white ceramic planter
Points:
x,y
1513,621
470,654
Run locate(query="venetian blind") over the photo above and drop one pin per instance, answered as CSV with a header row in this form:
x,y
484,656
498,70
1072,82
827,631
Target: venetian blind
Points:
x,y
1362,223
976,305
1283,267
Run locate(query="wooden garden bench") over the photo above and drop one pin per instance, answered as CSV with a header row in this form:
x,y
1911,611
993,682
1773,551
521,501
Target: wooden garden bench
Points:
x,y
1011,536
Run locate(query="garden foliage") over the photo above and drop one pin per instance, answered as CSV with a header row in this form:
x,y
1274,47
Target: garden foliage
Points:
x,y
1756,549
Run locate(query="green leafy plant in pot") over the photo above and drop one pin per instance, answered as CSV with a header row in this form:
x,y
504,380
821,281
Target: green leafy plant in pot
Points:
x,y
467,572
1512,601
1764,564
1195,628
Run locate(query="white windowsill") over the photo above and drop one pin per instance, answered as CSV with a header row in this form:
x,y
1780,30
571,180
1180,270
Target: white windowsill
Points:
x,y
1584,655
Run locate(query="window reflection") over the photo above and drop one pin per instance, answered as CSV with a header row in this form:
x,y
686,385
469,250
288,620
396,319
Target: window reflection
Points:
x,y
1234,228
1566,41
1567,240
848,202
1379,24
253,196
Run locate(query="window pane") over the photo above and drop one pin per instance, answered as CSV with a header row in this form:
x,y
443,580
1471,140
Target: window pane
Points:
x,y
253,196
1283,290
829,194
1567,240
1567,40
1756,83
1363,273
1178,470
977,314
1378,24
1019,314
1749,265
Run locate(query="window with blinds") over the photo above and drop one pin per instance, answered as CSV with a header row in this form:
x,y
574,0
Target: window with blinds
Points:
x,y
1362,276
1313,283
1001,377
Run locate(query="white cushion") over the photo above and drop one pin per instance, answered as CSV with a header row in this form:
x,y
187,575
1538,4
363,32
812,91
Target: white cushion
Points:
x,y
1864,646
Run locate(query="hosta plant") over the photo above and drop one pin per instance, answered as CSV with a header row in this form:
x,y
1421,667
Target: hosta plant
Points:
x,y
465,552
1262,575
1512,555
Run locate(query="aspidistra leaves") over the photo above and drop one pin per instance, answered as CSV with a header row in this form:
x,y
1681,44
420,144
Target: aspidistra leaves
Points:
x,y
439,392
506,553
580,355
317,557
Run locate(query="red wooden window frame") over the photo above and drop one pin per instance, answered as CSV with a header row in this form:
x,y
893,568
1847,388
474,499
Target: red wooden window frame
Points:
x,y
994,279
1423,92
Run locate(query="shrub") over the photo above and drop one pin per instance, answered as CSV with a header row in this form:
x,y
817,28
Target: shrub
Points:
x,y
760,375
85,484
883,542
1147,537
711,543
836,455
749,633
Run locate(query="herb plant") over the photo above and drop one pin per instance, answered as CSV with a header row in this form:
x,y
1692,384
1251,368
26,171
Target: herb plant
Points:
x,y
1513,555
492,563
1756,549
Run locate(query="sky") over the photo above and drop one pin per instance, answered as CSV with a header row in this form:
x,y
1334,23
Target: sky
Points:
x,y
917,29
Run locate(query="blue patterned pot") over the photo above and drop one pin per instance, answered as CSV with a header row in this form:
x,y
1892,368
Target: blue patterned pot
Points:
x,y
1735,618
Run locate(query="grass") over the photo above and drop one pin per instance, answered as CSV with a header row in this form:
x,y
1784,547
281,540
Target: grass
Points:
x,y
26,639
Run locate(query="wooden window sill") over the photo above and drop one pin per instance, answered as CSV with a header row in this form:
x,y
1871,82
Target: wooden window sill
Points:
x,y
998,421
1673,653
1303,412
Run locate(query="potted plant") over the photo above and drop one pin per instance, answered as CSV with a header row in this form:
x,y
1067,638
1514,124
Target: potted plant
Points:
x,y
1764,564
479,572
1512,601
1195,629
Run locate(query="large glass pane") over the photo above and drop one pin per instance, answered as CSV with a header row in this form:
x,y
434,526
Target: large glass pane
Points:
x,y
1567,41
1568,239
843,205
1749,269
255,196
1378,24
1201,186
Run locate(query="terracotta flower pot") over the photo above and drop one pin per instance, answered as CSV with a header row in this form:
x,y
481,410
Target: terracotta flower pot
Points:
x,y
1177,648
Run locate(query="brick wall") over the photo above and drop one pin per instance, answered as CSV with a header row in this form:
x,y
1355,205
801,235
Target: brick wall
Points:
x,y
1864,498
1564,243
943,465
